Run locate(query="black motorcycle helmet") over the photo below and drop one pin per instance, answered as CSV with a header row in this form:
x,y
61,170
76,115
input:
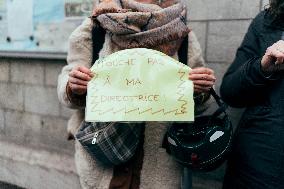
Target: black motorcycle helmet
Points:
x,y
203,144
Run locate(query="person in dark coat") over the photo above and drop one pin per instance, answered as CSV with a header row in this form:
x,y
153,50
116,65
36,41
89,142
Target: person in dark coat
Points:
x,y
255,81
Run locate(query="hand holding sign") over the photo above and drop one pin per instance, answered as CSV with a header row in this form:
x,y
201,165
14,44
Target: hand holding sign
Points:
x,y
202,78
140,85
78,79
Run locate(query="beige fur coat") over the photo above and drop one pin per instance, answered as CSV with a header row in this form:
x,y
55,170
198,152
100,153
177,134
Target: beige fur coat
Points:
x,y
159,170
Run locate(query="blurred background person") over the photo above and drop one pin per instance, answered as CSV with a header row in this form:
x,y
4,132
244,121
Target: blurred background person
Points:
x,y
255,81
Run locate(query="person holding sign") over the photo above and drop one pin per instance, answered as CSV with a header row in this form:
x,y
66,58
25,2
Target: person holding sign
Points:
x,y
255,81
151,167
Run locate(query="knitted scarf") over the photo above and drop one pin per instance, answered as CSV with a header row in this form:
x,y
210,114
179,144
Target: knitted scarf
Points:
x,y
144,25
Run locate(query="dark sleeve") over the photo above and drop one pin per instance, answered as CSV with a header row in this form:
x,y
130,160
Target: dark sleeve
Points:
x,y
244,83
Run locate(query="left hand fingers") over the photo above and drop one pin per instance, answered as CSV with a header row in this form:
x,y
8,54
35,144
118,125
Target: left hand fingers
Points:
x,y
202,70
202,77
201,89
203,83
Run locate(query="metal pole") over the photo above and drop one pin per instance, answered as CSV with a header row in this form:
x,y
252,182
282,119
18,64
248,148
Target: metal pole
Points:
x,y
186,180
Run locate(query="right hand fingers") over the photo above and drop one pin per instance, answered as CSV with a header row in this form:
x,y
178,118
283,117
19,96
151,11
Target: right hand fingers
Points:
x,y
79,78
81,73
78,81
77,89
85,70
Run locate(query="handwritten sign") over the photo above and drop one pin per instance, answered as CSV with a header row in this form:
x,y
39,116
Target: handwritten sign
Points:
x,y
139,85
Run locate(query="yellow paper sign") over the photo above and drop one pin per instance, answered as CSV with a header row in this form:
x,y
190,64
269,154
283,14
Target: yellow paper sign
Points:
x,y
139,85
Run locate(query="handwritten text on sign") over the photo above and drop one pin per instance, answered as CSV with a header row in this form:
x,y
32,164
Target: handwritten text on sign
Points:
x,y
139,85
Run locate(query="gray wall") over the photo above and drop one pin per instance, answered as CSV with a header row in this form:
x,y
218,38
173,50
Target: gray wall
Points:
x,y
34,152
220,26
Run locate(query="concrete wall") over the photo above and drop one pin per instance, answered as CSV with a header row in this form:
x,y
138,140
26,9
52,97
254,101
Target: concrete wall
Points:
x,y
220,27
34,152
